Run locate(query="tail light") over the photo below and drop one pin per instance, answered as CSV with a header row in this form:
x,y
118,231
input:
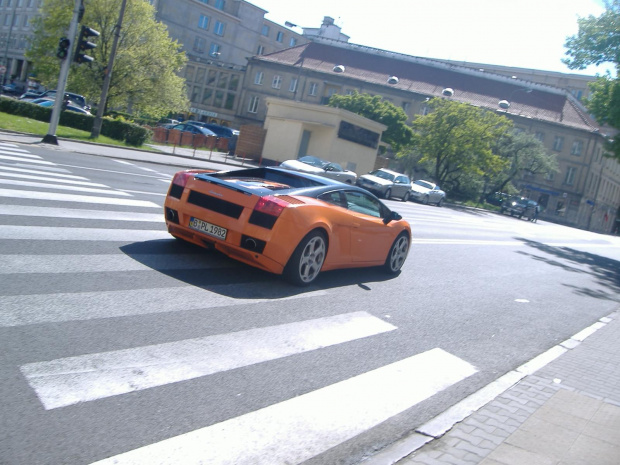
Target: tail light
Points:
x,y
270,205
180,178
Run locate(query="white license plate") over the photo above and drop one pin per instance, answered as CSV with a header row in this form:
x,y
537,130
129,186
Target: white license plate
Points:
x,y
208,228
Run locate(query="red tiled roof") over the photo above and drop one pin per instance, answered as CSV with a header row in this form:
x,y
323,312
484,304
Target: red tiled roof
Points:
x,y
430,77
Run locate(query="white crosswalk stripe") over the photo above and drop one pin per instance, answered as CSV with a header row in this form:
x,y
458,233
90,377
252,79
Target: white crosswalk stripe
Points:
x,y
288,431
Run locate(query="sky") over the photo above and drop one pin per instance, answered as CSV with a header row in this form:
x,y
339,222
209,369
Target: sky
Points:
x,y
520,33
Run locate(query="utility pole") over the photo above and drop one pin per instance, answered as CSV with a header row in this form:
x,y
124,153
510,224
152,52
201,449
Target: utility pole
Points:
x,y
108,76
50,137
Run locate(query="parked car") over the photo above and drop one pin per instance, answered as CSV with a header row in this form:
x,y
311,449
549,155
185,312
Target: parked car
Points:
x,y
12,89
427,192
220,131
77,99
315,165
286,222
75,108
386,183
519,207
184,127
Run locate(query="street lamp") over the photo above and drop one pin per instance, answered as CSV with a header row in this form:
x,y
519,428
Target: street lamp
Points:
x,y
6,48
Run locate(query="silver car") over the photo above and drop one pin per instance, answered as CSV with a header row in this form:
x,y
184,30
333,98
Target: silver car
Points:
x,y
386,183
427,192
314,165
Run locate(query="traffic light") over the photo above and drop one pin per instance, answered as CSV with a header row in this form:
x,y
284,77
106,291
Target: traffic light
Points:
x,y
84,45
63,48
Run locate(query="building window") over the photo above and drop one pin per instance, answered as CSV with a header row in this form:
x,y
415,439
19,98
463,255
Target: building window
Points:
x,y
292,42
550,176
265,30
215,50
293,86
199,45
312,89
253,106
425,110
406,106
260,50
570,175
258,78
219,28
203,22
219,4
577,147
540,136
280,36
277,81
558,142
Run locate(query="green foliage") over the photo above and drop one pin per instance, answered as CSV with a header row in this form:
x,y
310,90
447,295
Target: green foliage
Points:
x,y
397,134
118,129
455,144
598,42
145,76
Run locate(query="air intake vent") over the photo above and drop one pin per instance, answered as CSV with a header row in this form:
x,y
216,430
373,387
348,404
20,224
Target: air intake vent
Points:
x,y
214,204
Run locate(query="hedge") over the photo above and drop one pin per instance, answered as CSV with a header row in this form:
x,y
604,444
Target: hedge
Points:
x,y
117,129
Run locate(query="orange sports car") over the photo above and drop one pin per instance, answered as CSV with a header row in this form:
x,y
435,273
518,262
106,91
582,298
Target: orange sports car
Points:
x,y
285,222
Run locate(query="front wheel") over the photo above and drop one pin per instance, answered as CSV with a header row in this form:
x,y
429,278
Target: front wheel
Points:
x,y
398,254
305,264
425,200
440,203
388,194
406,196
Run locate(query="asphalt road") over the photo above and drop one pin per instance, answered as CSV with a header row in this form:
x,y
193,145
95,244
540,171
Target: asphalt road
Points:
x,y
117,341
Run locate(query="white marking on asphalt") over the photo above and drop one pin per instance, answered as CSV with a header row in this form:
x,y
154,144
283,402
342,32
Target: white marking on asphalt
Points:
x,y
42,185
50,212
13,264
47,233
48,178
37,162
43,173
19,152
68,381
300,428
24,310
58,197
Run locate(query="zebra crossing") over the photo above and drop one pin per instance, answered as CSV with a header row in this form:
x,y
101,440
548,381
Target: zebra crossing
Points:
x,y
289,431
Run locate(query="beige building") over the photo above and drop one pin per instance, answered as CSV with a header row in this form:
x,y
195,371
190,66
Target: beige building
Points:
x,y
584,193
295,129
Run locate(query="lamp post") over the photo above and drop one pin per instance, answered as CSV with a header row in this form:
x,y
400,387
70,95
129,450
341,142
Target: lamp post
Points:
x,y
8,41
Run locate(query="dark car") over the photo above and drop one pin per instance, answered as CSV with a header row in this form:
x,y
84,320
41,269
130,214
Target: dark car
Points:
x,y
193,129
75,99
519,207
220,131
12,89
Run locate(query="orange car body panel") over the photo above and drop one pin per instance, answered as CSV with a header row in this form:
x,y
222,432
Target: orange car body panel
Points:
x,y
365,241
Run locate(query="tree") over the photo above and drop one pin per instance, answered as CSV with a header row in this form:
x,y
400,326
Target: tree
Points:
x,y
455,142
598,42
397,134
145,78
522,152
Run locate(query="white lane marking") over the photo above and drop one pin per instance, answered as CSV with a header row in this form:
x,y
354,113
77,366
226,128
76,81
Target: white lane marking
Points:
x,y
68,381
19,152
53,168
48,178
18,210
3,169
58,197
12,264
48,233
36,162
511,243
78,306
42,185
300,428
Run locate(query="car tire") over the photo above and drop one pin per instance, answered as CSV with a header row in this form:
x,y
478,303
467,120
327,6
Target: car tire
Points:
x,y
388,194
425,200
440,203
397,255
406,196
307,260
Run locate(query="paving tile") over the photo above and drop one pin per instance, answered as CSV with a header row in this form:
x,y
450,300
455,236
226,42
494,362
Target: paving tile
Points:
x,y
544,420
572,403
608,415
588,450
511,455
552,443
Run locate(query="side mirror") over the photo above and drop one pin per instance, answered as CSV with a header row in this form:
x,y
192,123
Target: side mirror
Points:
x,y
393,216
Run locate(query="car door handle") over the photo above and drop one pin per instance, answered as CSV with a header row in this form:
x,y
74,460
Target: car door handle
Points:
x,y
355,225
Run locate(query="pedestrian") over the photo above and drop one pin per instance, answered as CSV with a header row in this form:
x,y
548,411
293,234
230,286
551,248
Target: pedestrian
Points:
x,y
535,217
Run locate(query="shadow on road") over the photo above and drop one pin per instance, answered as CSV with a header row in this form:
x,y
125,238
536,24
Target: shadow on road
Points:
x,y
604,270
217,273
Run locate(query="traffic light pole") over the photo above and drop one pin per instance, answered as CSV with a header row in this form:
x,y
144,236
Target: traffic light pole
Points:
x,y
50,137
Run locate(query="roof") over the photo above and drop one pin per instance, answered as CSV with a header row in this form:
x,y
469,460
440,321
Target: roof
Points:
x,y
429,78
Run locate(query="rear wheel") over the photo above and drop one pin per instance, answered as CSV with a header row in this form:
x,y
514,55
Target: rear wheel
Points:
x,y
305,264
406,196
388,194
398,254
425,200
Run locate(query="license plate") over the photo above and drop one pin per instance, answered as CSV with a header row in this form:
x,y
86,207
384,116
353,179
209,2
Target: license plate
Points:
x,y
208,228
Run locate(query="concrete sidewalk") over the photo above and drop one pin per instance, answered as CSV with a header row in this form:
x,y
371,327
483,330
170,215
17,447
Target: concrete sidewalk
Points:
x,y
564,409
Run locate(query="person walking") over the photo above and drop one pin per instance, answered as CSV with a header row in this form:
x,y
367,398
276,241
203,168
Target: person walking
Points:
x,y
535,217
